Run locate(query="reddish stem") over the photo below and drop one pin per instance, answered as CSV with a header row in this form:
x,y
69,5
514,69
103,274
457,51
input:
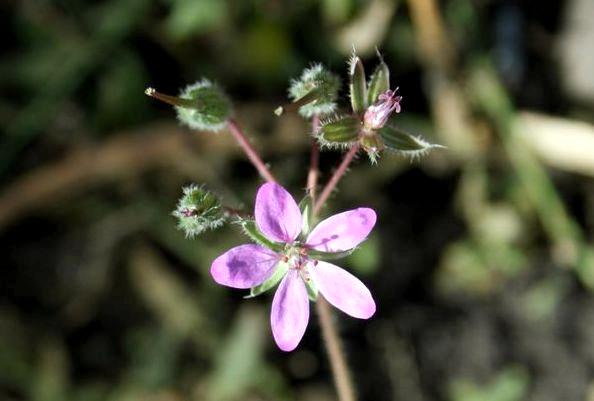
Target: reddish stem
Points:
x,y
342,168
242,140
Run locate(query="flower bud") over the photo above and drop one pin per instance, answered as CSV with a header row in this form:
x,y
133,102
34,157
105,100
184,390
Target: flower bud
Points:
x,y
315,92
202,106
198,210
377,115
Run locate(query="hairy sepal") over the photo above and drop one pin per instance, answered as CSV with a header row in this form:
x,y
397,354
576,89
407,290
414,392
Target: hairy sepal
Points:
x,y
401,142
357,85
339,132
251,230
312,290
378,83
279,273
306,208
321,255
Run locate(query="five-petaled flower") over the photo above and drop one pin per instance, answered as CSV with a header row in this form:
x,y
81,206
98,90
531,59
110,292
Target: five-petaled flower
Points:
x,y
279,219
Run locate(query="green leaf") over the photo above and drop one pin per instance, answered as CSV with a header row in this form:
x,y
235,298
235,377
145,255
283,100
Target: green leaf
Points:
x,y
340,132
321,255
379,82
279,273
405,143
357,86
251,230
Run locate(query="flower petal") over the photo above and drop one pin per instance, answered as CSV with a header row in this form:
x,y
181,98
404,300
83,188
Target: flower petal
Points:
x,y
290,311
277,214
342,231
342,289
244,266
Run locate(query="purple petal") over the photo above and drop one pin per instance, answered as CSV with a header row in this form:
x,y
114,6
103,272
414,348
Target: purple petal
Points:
x,y
277,214
342,231
244,266
290,311
342,289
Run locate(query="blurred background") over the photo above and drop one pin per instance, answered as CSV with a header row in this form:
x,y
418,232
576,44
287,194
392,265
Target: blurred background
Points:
x,y
481,262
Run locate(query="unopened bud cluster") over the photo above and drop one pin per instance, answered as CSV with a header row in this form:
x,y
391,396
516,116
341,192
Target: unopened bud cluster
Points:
x,y
198,210
204,106
372,103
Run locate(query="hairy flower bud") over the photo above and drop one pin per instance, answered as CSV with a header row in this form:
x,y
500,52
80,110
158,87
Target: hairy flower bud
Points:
x,y
377,115
198,210
315,92
201,106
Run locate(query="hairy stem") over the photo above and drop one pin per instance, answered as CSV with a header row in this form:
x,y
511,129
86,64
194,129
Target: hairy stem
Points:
x,y
342,168
252,155
312,175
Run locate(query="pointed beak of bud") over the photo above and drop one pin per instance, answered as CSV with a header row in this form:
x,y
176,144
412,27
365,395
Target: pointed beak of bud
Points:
x,y
171,100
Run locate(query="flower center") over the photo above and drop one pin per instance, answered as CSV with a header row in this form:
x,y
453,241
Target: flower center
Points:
x,y
296,257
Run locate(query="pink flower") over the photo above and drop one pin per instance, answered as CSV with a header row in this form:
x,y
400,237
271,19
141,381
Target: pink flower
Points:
x,y
377,114
279,219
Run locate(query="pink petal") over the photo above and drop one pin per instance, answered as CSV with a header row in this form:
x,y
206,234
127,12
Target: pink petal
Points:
x,y
244,266
342,289
342,231
277,214
290,311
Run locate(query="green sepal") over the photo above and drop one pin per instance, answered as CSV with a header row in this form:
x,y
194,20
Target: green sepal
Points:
x,y
312,290
277,276
306,208
357,86
340,132
251,230
321,255
404,143
378,83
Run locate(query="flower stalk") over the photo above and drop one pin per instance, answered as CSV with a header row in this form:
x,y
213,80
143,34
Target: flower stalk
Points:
x,y
314,161
340,171
340,370
249,150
